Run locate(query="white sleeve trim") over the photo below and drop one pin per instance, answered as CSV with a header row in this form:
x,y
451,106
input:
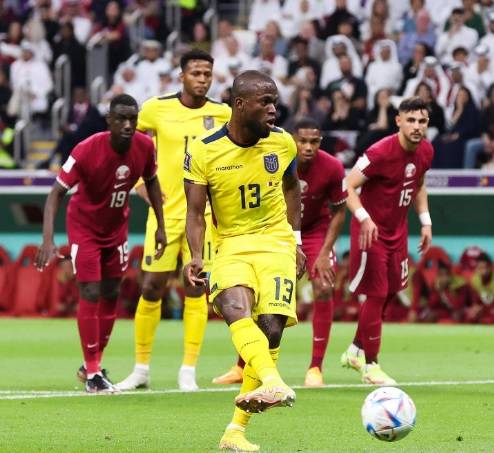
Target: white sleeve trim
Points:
x,y
62,183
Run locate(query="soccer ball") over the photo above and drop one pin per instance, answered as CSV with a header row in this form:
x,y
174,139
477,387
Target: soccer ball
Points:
x,y
388,414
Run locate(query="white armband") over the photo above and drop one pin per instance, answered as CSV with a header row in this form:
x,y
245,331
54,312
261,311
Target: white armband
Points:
x,y
298,237
425,218
361,214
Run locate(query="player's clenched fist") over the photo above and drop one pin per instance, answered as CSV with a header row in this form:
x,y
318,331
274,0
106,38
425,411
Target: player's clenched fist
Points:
x,y
301,260
160,243
192,272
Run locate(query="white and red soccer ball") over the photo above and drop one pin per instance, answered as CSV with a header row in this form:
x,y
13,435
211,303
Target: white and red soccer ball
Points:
x,y
388,414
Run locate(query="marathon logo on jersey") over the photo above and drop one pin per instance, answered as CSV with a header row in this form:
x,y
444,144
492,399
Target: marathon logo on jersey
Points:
x,y
410,171
69,163
304,187
187,160
271,163
123,172
208,122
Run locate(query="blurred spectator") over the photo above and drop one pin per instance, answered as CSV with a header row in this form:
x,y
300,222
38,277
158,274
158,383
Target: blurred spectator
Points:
x,y
437,122
342,116
457,35
295,13
301,59
225,31
30,77
49,20
379,13
376,33
422,33
316,46
337,46
154,18
430,72
488,39
83,120
74,12
7,16
385,71
200,37
449,147
127,81
471,17
482,284
447,298
34,33
328,25
149,66
10,47
410,70
113,30
479,150
353,87
379,123
5,94
480,73
67,44
409,18
272,30
261,12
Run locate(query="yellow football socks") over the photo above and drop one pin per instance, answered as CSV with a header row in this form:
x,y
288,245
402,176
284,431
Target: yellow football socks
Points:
x,y
195,320
253,347
147,318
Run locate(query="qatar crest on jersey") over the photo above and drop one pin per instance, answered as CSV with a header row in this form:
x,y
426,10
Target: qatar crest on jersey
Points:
x,y
304,187
271,163
123,172
208,122
410,170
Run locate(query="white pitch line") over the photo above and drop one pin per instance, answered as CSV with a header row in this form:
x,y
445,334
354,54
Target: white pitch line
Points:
x,y
35,394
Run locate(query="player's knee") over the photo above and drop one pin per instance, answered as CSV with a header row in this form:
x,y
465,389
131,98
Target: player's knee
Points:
x,y
153,288
90,292
110,292
272,326
323,294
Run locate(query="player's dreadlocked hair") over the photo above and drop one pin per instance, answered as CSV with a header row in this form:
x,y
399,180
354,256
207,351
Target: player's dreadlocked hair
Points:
x,y
195,54
123,99
413,104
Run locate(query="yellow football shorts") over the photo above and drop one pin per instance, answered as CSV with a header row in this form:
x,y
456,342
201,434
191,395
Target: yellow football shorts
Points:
x,y
271,275
176,247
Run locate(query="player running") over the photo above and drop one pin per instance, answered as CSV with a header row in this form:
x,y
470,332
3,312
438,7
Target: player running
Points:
x,y
175,120
247,168
105,167
391,177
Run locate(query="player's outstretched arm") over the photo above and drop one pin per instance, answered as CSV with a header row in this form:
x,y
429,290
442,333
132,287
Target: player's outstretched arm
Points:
x,y
421,204
323,265
195,227
368,229
153,190
291,191
48,248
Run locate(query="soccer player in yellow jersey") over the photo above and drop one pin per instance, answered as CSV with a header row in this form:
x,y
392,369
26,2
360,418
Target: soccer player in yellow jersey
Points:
x,y
248,170
175,120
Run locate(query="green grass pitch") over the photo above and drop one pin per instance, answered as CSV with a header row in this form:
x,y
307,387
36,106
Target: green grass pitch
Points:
x,y
43,408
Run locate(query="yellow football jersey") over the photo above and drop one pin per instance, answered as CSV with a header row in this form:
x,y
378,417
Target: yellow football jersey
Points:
x,y
174,127
245,186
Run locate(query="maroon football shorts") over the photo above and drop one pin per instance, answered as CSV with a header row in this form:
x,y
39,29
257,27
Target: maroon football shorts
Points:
x,y
311,246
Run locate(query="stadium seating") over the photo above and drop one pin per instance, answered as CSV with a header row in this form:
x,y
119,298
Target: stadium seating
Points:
x,y
5,280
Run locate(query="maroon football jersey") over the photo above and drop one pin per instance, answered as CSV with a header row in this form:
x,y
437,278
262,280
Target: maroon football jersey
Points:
x,y
321,184
393,176
99,208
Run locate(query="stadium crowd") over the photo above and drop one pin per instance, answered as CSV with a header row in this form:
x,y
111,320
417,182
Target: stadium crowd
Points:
x,y
346,63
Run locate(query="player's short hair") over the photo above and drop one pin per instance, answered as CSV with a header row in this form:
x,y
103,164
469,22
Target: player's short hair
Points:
x,y
413,104
244,83
123,99
485,258
195,54
306,122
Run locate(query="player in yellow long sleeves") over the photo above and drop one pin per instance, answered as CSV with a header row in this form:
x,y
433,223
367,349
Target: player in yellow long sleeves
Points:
x,y
174,120
247,168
